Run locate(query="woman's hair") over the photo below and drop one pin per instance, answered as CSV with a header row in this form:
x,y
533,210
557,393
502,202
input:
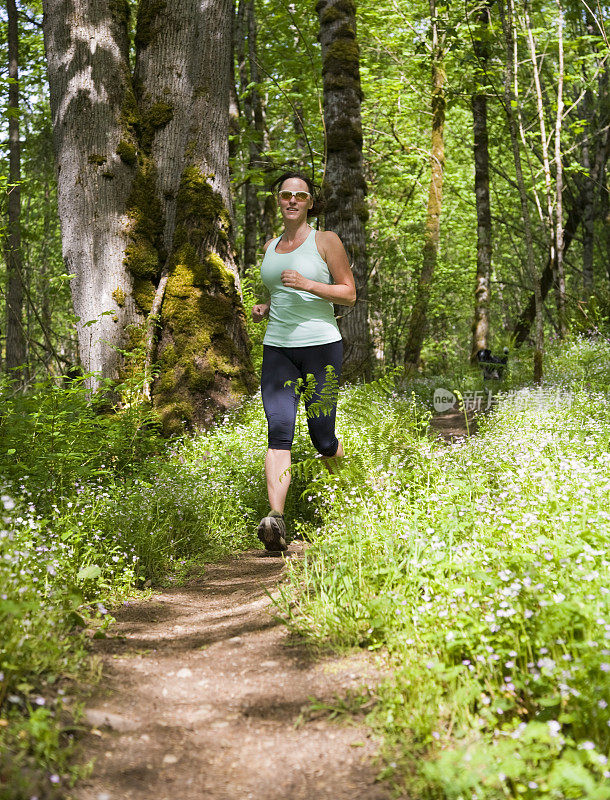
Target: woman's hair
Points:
x,y
318,203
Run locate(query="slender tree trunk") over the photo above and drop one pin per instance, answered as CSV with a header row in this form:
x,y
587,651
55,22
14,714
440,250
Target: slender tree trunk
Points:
x,y
482,293
245,27
605,214
560,278
417,324
546,164
345,186
510,98
575,214
527,316
144,195
15,336
588,223
256,226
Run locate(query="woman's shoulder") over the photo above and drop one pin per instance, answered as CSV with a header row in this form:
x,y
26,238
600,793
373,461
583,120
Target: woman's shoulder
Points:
x,y
327,242
327,237
268,242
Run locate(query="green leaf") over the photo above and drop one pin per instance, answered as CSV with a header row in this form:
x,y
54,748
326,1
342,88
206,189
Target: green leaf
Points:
x,y
89,573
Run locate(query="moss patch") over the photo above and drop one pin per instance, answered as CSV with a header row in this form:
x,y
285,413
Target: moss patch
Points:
x,y
144,250
152,118
200,211
143,294
127,152
342,55
97,159
203,350
150,18
120,11
119,296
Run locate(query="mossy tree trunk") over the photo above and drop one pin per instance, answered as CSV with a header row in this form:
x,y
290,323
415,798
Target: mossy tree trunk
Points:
x,y
418,320
482,292
149,238
344,185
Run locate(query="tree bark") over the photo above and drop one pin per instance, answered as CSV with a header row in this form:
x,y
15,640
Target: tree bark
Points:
x,y
418,321
144,196
482,292
344,185
87,51
15,335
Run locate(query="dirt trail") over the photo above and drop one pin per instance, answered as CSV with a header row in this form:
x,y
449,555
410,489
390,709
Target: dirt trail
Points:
x,y
451,425
201,698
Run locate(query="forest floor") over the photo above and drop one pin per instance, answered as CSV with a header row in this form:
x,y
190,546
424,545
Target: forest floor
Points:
x,y
205,694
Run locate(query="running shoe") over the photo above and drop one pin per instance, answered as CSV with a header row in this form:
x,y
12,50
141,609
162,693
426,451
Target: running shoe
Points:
x,y
272,532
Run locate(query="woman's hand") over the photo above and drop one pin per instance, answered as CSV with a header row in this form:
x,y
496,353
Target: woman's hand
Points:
x,y
294,279
260,311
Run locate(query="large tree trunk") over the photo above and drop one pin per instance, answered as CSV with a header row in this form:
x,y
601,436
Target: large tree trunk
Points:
x,y
87,47
15,337
482,293
344,185
417,323
144,195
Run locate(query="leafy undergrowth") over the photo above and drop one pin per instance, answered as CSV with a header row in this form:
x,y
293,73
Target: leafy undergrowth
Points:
x,y
483,568
94,506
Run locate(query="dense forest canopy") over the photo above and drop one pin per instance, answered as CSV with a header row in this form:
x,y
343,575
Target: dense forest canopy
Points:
x,y
448,250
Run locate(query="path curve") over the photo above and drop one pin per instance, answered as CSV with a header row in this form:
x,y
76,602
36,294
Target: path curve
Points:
x,y
202,699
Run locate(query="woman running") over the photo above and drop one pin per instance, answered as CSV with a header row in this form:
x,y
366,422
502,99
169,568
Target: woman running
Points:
x,y
305,271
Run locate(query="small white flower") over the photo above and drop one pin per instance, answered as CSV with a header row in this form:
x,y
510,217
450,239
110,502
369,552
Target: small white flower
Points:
x,y
7,502
586,746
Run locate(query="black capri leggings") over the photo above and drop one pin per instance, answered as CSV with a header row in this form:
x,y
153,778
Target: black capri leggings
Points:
x,y
281,364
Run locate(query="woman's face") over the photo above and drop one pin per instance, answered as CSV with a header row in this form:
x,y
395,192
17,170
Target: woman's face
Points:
x,y
292,208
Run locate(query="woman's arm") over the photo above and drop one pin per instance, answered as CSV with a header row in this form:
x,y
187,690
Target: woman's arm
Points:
x,y
343,291
261,310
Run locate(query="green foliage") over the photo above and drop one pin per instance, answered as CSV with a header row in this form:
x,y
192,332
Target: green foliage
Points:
x,y
483,570
52,438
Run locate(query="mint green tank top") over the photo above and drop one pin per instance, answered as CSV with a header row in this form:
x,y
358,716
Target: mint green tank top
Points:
x,y
297,318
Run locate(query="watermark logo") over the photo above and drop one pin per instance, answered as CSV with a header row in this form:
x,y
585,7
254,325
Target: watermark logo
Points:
x,y
443,400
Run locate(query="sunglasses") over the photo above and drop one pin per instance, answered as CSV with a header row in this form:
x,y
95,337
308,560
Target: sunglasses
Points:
x,y
286,194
